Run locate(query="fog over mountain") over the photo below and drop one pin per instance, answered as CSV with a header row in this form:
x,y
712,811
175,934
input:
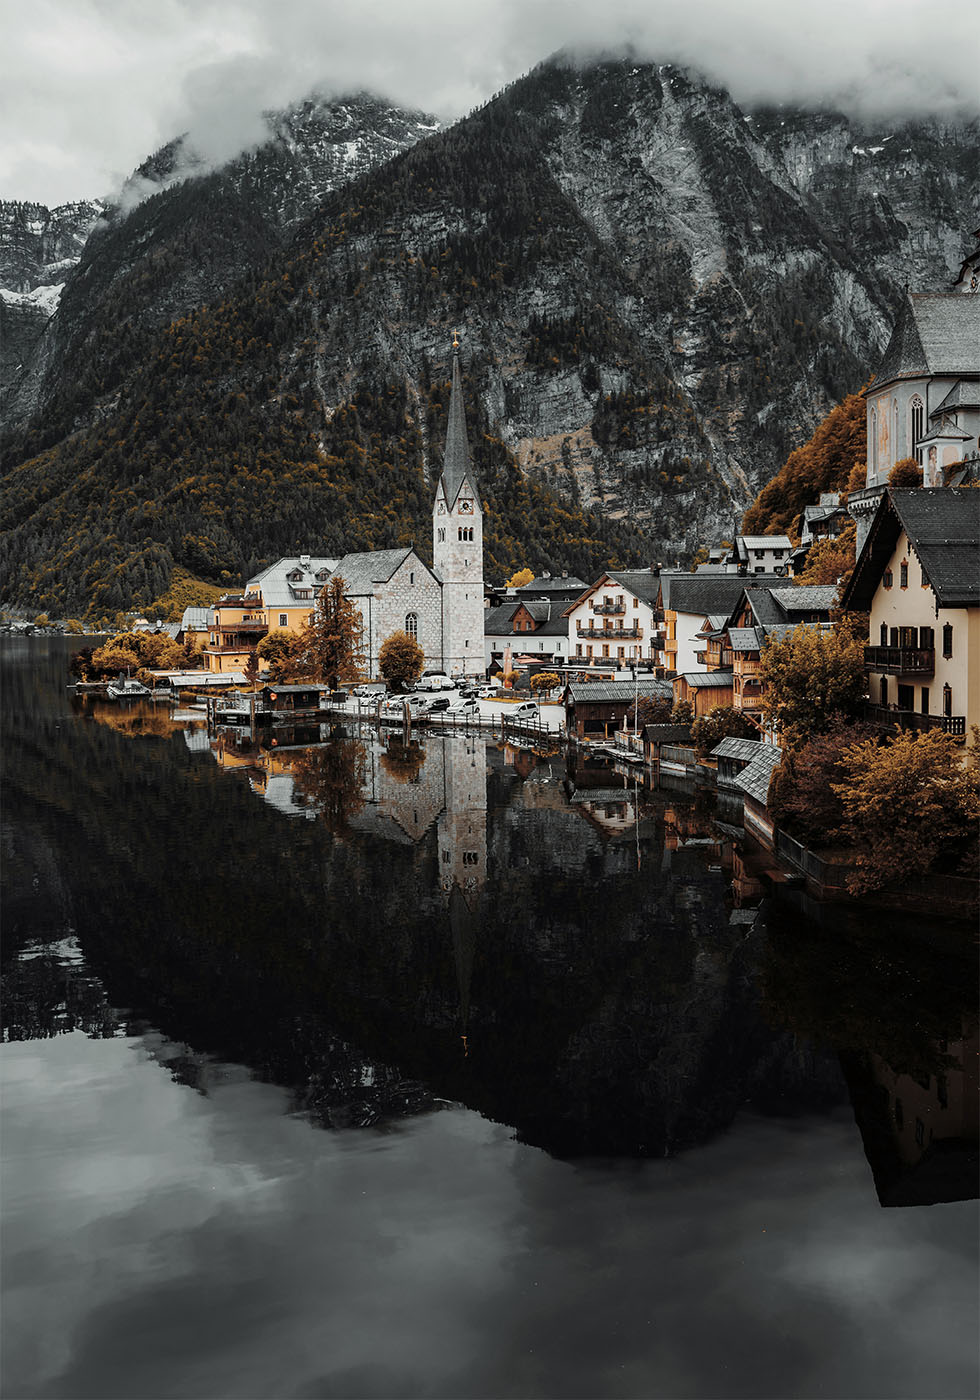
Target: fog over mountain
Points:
x,y
88,91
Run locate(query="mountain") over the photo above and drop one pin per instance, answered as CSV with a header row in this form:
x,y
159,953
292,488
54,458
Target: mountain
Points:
x,y
38,249
661,294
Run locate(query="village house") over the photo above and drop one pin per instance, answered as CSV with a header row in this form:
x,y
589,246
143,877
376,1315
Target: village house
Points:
x,y
535,631
596,709
616,620
918,578
686,600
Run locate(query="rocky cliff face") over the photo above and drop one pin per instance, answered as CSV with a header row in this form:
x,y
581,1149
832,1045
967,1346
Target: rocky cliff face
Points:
x,y
179,233
661,294
39,247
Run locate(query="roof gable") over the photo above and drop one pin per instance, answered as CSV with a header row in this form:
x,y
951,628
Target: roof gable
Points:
x,y
943,526
936,333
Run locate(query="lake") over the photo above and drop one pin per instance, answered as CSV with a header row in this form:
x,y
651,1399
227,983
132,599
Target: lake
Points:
x,y
347,1067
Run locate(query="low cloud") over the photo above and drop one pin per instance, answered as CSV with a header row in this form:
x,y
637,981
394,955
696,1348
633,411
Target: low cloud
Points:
x,y
88,96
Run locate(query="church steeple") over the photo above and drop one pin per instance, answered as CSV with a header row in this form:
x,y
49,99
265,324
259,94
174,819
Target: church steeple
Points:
x,y
457,544
456,468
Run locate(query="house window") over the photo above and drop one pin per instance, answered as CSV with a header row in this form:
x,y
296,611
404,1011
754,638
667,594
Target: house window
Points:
x,y
411,579
947,700
578,648
412,624
886,579
884,690
925,700
883,636
605,648
903,575
284,619
948,640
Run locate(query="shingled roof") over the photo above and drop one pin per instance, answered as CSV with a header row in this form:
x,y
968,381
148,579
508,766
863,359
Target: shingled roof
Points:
x,y
943,526
755,779
936,333
582,692
709,593
361,572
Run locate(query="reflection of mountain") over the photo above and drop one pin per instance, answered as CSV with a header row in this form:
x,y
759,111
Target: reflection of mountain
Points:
x,y
606,1009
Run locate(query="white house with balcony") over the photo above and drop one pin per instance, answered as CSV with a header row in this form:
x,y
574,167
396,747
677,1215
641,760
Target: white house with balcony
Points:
x,y
615,621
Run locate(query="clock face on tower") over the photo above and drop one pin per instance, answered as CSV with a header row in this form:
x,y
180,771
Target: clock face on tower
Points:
x,y
466,507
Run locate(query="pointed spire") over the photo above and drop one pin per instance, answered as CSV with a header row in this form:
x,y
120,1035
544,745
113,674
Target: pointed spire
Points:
x,y
456,458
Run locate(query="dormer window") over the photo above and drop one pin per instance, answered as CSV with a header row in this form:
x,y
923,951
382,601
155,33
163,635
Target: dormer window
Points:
x,y
296,576
322,575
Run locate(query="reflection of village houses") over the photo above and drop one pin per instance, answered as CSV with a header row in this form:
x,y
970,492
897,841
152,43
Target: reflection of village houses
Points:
x,y
921,1130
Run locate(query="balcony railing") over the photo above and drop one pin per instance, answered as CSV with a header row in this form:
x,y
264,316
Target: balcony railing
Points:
x,y
611,608
610,634
241,628
657,640
901,661
911,719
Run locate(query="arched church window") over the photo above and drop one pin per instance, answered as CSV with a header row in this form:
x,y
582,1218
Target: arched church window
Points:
x,y
915,424
412,624
442,536
895,429
873,444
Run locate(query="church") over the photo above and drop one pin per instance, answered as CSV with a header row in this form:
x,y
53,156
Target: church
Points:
x,y
442,607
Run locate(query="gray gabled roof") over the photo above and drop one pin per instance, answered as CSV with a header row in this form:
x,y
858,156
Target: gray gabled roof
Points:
x,y
196,619
644,584
706,680
730,747
273,582
745,638
809,597
755,779
363,572
935,333
965,393
705,594
943,525
539,586
497,621
584,692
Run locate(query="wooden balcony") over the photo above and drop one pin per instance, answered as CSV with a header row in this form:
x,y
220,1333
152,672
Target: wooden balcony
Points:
x,y
911,719
610,608
901,661
609,634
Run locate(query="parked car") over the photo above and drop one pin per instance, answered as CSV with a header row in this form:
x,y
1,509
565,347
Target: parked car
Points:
x,y
529,709
464,707
487,692
441,702
434,680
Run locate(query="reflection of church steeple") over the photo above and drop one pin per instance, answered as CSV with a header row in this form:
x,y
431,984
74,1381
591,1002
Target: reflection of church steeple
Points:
x,y
463,853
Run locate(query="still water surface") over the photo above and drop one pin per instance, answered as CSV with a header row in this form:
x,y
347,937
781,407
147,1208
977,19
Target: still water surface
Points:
x,y
349,1069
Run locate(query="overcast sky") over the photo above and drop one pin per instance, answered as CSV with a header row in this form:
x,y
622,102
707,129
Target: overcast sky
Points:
x,y
89,88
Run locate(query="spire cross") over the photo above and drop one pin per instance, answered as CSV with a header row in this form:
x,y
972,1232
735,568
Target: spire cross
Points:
x,y
455,339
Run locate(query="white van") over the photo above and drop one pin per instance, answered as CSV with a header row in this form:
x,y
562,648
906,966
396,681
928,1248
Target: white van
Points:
x,y
434,680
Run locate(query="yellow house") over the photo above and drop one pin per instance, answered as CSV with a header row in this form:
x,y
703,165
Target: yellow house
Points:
x,y
918,576
283,596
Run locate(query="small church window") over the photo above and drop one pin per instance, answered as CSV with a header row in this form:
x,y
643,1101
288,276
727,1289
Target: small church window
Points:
x,y
412,624
442,536
916,425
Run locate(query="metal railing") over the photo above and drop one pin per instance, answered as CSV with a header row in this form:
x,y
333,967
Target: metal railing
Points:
x,y
612,608
910,719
